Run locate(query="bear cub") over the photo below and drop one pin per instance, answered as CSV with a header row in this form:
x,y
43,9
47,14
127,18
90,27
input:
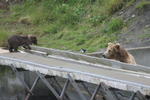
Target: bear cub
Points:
x,y
116,52
16,41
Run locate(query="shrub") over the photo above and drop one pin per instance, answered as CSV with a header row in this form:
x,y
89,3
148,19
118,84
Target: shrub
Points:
x,y
97,19
115,5
114,25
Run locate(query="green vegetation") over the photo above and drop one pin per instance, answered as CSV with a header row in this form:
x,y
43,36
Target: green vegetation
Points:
x,y
143,4
130,3
114,25
146,34
73,24
115,5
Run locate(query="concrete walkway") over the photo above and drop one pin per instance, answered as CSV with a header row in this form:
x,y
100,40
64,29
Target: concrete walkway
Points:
x,y
3,50
89,73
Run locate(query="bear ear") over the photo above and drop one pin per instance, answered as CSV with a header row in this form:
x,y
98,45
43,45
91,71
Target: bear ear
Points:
x,y
109,44
117,45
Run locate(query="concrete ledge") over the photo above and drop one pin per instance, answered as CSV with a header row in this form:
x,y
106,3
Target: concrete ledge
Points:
x,y
95,60
77,75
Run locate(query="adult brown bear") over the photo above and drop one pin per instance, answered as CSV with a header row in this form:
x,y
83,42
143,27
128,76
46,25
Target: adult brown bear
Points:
x,y
116,52
21,40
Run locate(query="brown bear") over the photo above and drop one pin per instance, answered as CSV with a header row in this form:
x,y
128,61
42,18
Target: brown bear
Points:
x,y
116,52
21,40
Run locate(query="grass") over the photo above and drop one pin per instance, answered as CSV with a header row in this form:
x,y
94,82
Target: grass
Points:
x,y
3,36
143,36
72,25
143,4
115,5
130,3
114,25
146,34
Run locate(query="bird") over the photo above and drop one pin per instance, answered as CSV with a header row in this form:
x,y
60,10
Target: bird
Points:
x,y
83,50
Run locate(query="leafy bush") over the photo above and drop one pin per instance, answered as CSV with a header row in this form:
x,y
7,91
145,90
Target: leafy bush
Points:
x,y
115,5
114,25
97,19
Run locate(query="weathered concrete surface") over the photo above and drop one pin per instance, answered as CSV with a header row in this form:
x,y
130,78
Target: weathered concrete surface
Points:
x,y
126,80
90,59
141,54
3,50
10,86
41,92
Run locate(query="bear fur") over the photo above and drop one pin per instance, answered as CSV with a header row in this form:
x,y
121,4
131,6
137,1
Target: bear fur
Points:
x,y
16,41
116,52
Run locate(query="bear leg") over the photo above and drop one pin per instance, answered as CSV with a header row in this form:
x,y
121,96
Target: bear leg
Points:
x,y
10,49
16,49
27,47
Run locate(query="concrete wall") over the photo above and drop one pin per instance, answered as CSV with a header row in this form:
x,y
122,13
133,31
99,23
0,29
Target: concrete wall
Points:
x,y
40,89
96,58
10,86
141,54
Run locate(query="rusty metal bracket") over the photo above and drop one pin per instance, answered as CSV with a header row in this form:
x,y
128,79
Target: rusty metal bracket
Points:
x,y
54,84
74,84
95,92
32,88
53,90
48,85
59,88
107,93
64,89
18,76
132,96
139,95
86,88
66,97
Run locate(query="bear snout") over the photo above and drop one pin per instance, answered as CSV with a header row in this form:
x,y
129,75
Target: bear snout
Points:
x,y
35,43
104,55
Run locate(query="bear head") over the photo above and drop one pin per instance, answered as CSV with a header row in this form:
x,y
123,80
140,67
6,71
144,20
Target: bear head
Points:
x,y
33,39
115,51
